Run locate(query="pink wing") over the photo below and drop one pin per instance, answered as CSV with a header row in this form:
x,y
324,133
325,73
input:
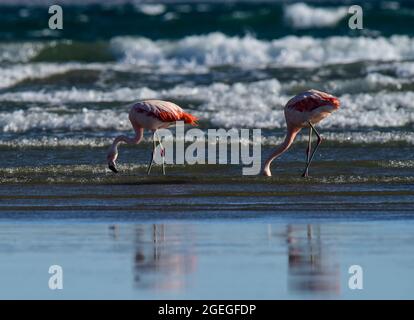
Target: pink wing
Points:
x,y
164,111
311,100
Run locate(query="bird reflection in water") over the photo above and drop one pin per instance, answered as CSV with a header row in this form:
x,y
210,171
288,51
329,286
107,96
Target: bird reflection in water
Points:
x,y
163,259
312,268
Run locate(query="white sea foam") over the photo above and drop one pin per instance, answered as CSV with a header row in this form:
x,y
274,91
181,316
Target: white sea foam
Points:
x,y
301,16
16,73
240,104
353,137
400,69
192,52
260,105
79,95
384,109
24,120
200,52
49,141
203,51
151,9
372,82
255,105
337,137
19,52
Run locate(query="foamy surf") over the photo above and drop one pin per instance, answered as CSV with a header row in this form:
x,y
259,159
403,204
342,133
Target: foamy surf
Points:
x,y
12,75
252,105
215,49
302,16
218,49
269,138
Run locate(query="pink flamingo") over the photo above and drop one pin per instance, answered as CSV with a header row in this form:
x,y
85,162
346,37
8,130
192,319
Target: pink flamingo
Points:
x,y
304,110
151,115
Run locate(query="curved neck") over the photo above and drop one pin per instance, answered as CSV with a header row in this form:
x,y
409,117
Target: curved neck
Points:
x,y
120,139
124,139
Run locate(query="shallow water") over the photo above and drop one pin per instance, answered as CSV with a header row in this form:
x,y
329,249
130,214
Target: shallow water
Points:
x,y
275,257
207,232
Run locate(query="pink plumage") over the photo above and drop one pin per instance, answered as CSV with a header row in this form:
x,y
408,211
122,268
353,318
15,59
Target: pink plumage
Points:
x,y
151,115
304,110
164,111
311,100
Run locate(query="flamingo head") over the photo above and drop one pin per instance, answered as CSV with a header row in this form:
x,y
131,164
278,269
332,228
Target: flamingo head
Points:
x,y
332,102
331,106
111,158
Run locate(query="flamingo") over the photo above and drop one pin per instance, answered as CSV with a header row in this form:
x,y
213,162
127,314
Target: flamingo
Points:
x,y
304,110
151,115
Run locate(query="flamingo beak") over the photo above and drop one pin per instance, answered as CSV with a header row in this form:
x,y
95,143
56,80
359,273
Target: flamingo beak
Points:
x,y
112,167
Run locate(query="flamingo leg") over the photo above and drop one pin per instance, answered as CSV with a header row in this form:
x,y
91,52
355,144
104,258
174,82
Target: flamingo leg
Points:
x,y
318,142
152,155
162,153
308,152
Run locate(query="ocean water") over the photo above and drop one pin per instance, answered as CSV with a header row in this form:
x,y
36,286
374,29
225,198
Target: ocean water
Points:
x,y
63,97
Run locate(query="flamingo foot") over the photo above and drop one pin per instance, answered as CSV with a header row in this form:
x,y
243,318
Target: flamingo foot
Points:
x,y
266,172
162,152
305,175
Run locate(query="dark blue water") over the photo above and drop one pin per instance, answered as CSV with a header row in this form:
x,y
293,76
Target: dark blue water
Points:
x,y
266,20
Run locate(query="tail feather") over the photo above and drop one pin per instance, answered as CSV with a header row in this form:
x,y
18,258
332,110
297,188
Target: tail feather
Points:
x,y
166,116
189,118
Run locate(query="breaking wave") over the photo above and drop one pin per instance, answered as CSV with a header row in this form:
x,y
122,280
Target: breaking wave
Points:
x,y
218,49
331,138
252,105
300,15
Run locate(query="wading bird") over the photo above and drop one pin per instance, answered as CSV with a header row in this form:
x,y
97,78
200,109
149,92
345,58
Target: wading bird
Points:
x,y
151,115
304,110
